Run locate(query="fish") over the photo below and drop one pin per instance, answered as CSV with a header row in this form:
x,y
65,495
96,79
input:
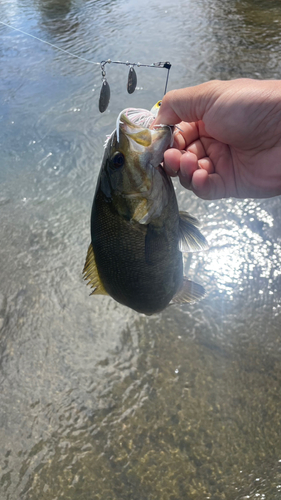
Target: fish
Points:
x,y
138,233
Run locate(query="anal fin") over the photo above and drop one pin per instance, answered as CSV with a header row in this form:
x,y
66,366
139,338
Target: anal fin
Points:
x,y
90,273
189,292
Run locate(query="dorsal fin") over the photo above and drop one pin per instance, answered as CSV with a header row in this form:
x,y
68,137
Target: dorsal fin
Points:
x,y
90,273
190,238
189,292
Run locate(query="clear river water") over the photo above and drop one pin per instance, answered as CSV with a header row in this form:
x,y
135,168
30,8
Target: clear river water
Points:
x,y
98,402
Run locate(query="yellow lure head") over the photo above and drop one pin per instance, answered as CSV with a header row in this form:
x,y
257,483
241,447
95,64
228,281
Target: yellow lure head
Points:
x,y
154,110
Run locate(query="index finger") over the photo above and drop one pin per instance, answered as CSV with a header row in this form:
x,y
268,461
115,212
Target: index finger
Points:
x,y
189,104
185,135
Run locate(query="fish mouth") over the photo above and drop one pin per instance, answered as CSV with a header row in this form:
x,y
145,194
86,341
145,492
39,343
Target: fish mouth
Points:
x,y
134,124
134,118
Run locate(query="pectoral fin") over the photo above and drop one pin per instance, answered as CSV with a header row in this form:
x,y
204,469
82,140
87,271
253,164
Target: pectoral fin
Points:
x,y
91,275
190,238
189,292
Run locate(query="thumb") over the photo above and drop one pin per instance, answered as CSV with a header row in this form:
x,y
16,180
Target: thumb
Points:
x,y
187,104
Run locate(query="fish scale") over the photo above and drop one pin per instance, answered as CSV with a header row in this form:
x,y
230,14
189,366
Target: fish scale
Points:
x,y
119,249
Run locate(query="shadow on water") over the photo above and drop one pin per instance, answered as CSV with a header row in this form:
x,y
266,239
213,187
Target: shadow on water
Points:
x,y
52,9
57,18
247,39
98,402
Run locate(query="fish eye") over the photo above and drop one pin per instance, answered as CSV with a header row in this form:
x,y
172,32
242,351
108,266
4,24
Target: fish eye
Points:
x,y
118,160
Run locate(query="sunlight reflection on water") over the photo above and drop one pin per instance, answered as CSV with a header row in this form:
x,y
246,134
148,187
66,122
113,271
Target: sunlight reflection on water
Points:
x,y
238,249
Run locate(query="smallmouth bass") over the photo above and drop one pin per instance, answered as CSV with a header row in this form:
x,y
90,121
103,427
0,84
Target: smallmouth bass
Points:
x,y
137,232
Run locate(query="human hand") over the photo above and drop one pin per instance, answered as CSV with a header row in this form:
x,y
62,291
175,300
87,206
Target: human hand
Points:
x,y
230,139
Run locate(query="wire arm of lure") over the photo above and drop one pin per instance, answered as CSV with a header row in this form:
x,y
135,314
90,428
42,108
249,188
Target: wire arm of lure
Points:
x,y
167,65
132,78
